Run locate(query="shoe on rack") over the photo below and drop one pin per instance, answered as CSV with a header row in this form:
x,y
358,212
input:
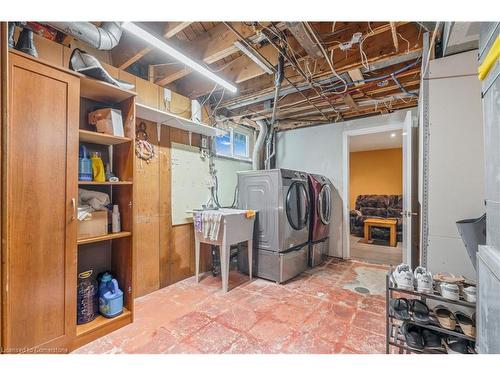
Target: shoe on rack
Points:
x,y
457,346
413,336
431,339
420,311
469,294
423,280
445,317
400,308
467,323
403,277
450,291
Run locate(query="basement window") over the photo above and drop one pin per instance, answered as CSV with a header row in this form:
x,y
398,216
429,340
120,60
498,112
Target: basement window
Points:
x,y
234,143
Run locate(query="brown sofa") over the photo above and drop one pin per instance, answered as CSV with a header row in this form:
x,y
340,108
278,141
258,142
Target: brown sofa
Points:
x,y
381,206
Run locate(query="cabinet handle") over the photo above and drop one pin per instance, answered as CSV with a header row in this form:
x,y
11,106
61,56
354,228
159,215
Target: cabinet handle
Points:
x,y
73,205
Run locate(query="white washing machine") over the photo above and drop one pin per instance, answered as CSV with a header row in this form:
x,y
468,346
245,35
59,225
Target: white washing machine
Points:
x,y
281,199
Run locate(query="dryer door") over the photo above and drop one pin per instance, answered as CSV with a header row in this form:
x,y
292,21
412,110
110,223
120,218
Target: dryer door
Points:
x,y
325,204
297,205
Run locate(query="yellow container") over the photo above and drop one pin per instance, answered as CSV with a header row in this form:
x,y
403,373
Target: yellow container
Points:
x,y
98,172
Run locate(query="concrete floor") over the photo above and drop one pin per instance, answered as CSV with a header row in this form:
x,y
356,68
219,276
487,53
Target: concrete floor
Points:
x,y
317,312
375,253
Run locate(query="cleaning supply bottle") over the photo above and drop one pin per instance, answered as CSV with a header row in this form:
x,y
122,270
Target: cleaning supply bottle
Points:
x,y
84,165
115,220
87,302
97,167
110,297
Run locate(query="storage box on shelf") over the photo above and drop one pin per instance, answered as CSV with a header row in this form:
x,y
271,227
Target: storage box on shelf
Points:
x,y
393,324
110,251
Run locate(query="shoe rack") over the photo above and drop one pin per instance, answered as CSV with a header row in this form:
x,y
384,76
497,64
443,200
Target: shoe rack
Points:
x,y
393,324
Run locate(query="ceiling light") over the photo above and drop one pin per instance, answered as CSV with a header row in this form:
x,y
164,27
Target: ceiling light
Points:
x,y
393,135
171,51
256,58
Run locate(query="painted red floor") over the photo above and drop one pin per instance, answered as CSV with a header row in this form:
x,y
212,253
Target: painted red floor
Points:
x,y
317,312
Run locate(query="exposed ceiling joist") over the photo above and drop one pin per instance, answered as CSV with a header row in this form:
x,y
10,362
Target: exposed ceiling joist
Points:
x,y
304,39
394,36
356,76
214,45
131,50
173,28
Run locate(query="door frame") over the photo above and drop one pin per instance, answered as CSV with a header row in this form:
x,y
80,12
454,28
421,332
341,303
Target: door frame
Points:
x,y
346,134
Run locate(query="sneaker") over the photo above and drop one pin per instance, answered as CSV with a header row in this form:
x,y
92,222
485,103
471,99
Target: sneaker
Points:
x,y
450,291
403,277
469,294
457,346
423,279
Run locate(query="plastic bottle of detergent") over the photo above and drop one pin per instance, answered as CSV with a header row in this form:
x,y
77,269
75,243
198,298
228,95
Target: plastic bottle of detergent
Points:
x,y
84,165
98,167
110,296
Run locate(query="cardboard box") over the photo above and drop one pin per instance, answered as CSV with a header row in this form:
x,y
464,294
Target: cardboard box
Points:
x,y
108,121
95,226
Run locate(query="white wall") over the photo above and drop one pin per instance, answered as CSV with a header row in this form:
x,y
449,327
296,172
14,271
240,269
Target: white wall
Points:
x,y
456,148
318,149
226,175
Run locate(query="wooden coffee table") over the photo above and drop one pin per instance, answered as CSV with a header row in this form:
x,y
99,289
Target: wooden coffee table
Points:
x,y
383,223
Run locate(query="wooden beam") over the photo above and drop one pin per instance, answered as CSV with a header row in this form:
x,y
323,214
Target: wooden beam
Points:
x,y
131,50
348,99
173,28
216,44
394,35
300,33
356,75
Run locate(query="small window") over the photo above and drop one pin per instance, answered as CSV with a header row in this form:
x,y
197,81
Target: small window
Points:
x,y
240,142
223,144
234,143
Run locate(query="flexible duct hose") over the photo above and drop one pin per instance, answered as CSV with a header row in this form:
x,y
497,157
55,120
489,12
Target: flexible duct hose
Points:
x,y
104,37
258,144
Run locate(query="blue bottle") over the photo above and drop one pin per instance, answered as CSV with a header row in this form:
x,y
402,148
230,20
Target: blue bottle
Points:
x,y
84,165
110,297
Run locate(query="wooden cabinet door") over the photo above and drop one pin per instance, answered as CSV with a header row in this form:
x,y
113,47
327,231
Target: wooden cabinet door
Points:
x,y
42,161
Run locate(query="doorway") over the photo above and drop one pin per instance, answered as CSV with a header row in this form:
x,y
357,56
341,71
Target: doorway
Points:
x,y
379,193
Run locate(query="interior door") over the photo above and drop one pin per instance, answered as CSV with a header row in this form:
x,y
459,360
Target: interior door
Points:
x,y
41,173
409,214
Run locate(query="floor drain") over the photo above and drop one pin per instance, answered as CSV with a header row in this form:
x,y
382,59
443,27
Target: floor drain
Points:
x,y
362,290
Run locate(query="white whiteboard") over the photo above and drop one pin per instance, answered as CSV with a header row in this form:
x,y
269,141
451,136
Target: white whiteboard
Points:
x,y
189,184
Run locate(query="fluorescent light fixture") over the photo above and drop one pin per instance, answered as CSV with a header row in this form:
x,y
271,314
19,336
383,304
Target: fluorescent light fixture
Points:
x,y
171,51
256,58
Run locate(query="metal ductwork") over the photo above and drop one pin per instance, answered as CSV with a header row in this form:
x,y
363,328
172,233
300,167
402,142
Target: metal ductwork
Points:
x,y
259,143
104,37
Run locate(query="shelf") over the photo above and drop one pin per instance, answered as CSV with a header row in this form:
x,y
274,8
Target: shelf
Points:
x,y
101,322
107,237
435,297
437,329
105,183
155,115
424,351
100,91
101,138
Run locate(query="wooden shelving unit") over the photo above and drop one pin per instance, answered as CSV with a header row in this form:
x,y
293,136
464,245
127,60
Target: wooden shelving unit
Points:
x,y
100,91
107,237
101,138
105,183
113,252
101,322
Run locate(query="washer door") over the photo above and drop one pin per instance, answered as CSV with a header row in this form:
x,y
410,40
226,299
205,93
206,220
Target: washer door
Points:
x,y
325,204
297,205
